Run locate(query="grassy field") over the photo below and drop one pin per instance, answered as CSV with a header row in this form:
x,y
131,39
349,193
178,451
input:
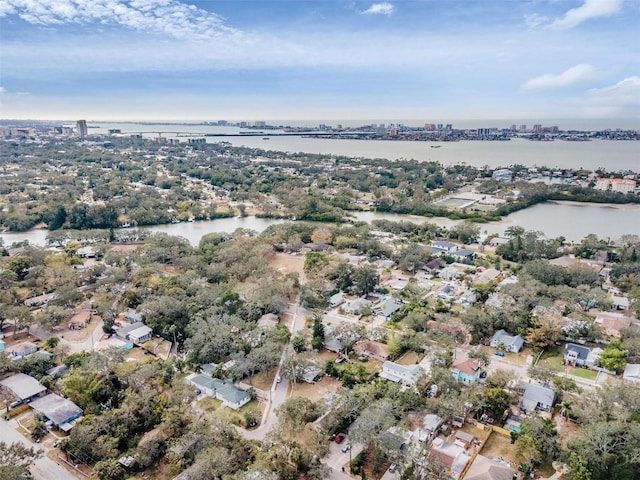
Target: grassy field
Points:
x,y
408,358
583,373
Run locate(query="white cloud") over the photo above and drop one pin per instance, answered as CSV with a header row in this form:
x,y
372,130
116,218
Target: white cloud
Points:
x,y
384,8
622,98
168,17
534,20
572,76
2,90
589,9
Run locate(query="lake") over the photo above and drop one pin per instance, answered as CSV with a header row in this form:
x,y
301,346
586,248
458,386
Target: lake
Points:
x,y
574,221
607,154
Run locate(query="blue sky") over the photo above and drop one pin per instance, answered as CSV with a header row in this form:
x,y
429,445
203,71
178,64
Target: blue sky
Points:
x,y
319,59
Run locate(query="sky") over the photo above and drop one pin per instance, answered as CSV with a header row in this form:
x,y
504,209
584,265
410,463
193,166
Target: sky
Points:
x,y
319,59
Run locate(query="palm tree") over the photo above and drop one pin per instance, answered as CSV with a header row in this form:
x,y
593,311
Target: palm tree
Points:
x,y
565,409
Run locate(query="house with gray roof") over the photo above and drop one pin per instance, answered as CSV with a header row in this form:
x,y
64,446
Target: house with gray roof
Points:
x,y
576,355
61,411
230,395
511,343
536,397
23,387
355,306
136,332
387,307
337,299
463,255
443,247
430,427
407,375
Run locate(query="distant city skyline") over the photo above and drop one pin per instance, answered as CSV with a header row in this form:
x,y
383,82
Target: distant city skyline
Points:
x,y
171,60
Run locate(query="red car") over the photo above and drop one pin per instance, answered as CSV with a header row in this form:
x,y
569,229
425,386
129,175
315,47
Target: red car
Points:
x,y
340,437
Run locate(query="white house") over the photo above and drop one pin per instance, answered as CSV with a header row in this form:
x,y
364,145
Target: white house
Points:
x,y
337,299
430,427
136,332
406,375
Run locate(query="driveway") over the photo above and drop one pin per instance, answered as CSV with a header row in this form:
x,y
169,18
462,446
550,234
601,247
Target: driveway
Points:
x,y
279,391
42,469
336,459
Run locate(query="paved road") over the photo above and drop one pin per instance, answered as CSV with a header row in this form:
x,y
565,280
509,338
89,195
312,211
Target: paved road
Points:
x,y
279,391
90,342
522,371
336,459
42,469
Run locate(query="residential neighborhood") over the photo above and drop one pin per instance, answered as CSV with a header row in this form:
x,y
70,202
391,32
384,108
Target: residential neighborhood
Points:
x,y
314,349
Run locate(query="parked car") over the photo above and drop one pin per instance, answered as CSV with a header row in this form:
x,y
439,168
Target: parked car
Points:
x,y
346,448
499,353
278,379
393,467
340,437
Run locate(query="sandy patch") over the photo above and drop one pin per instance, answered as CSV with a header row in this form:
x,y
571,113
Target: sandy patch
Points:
x,y
318,391
286,263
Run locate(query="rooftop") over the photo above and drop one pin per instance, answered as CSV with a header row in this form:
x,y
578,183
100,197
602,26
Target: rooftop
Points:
x,y
56,408
23,386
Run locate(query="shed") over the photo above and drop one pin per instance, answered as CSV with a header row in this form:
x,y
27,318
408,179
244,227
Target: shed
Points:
x,y
463,439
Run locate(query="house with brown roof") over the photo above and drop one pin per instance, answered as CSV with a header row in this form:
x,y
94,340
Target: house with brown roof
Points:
x,y
466,371
443,327
21,350
79,320
369,348
613,323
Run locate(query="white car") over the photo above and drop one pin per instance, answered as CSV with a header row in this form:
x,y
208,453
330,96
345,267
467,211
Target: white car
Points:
x,y
278,379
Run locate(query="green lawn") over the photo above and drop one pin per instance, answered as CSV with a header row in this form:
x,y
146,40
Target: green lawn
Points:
x,y
583,373
556,363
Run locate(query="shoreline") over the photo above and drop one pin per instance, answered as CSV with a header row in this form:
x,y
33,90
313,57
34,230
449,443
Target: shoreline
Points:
x,y
617,206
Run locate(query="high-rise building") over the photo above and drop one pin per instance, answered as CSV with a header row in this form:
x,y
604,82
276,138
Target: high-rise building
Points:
x,y
81,128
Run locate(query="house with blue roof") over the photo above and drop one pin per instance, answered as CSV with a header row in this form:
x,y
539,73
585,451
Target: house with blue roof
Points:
x,y
576,355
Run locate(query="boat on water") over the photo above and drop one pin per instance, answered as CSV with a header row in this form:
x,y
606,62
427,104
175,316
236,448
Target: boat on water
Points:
x,y
266,138
436,146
